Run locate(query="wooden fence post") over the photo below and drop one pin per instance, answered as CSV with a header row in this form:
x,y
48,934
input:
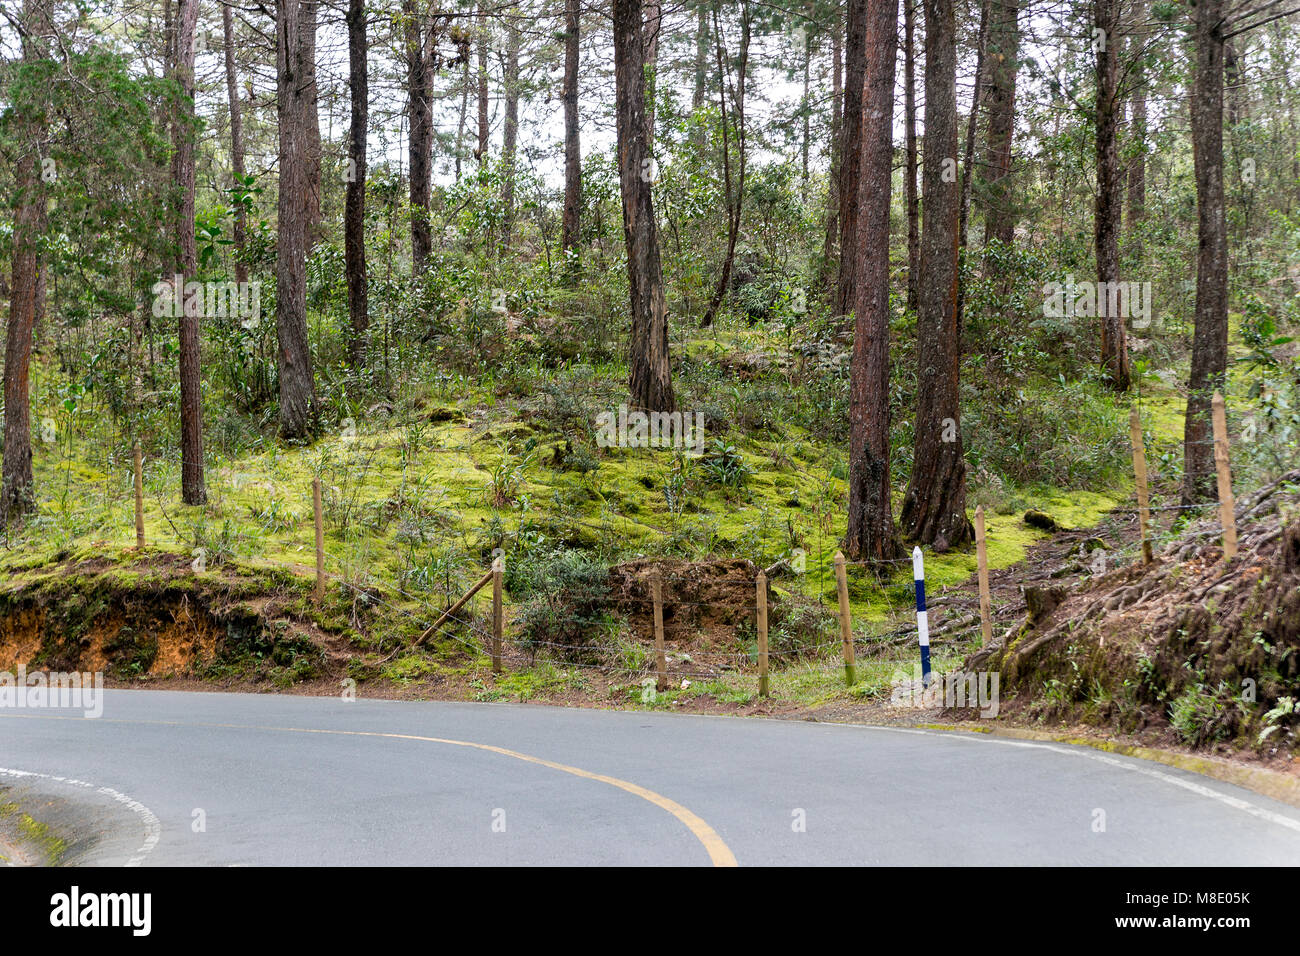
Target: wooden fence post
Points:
x,y
139,498
1227,507
320,540
451,611
661,662
1140,476
762,634
846,621
498,624
982,561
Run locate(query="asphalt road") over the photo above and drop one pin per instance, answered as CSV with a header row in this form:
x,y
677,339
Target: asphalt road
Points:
x,y
240,780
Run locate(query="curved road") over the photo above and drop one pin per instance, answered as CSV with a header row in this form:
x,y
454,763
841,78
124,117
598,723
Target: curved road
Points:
x,y
238,779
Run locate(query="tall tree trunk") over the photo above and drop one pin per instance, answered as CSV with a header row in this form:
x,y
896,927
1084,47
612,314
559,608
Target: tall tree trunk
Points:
x,y
734,186
569,228
699,92
298,411
419,83
972,128
910,161
829,274
805,107
193,490
1237,102
354,216
934,506
236,142
1234,77
509,136
968,161
311,120
1000,95
17,489
650,382
1280,59
653,24
1137,164
464,115
1106,220
481,154
1210,338
851,152
870,533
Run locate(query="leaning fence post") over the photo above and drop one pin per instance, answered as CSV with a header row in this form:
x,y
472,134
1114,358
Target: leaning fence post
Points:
x,y
320,540
1140,476
762,634
661,662
498,625
1227,507
139,498
982,562
922,619
846,621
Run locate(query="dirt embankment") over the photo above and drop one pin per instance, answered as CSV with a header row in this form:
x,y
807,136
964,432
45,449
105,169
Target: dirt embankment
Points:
x,y
154,619
1190,649
703,601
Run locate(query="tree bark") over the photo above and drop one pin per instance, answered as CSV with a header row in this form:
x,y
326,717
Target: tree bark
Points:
x,y
1137,164
509,137
653,24
829,274
569,227
193,490
910,162
481,153
699,92
934,506
298,410
735,189
972,128
1106,220
1210,338
851,152
870,534
354,216
311,121
464,115
419,85
650,382
968,161
17,489
236,142
805,107
1000,94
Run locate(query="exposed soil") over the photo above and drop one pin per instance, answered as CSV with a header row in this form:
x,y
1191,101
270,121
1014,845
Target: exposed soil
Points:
x,y
155,619
703,601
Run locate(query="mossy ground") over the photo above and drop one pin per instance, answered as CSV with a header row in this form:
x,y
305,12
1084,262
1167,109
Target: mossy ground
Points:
x,y
35,837
419,493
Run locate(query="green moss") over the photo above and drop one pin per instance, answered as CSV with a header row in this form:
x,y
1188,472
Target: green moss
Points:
x,y
50,847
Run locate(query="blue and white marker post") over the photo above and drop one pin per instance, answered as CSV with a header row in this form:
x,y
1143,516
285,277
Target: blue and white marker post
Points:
x,y
922,620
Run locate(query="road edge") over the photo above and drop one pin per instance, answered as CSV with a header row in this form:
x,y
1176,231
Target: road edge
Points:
x,y
1268,783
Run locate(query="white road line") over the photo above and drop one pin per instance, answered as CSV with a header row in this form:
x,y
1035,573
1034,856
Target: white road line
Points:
x,y
152,826
1200,789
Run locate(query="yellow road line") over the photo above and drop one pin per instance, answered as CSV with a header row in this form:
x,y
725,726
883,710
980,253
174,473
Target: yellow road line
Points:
x,y
718,851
